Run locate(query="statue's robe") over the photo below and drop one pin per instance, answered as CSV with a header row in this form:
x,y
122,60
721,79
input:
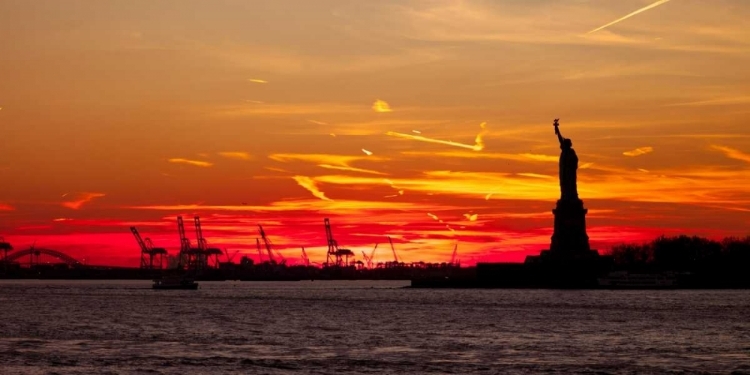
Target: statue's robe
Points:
x,y
568,170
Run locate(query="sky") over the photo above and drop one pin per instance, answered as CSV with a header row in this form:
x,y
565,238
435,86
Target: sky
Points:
x,y
426,121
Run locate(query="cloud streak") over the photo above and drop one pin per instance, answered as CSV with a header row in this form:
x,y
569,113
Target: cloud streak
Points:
x,y
196,163
311,186
639,151
528,157
79,199
654,5
477,146
339,162
732,153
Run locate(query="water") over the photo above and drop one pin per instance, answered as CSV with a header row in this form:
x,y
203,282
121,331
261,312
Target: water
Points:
x,y
364,327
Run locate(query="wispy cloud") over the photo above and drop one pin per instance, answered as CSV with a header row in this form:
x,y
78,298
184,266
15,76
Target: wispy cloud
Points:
x,y
6,207
303,205
654,5
732,100
351,169
256,80
732,153
477,146
535,175
474,155
238,155
77,200
639,151
288,109
311,186
196,163
340,162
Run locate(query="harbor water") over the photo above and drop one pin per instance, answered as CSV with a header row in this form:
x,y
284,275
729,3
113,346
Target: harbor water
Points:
x,y
365,327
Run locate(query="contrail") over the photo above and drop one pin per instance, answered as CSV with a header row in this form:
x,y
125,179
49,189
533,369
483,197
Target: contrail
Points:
x,y
654,5
477,146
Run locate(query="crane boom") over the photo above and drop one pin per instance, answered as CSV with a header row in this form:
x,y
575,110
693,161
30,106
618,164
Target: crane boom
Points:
x,y
202,243
260,252
184,242
455,254
144,247
267,243
368,260
395,257
138,239
305,258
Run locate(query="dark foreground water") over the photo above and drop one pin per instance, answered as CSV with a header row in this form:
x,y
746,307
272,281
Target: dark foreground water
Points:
x,y
362,327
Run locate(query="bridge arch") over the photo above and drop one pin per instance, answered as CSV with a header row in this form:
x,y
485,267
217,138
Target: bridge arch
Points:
x,y
67,259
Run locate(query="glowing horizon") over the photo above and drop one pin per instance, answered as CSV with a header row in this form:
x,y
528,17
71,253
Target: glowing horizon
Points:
x,y
427,122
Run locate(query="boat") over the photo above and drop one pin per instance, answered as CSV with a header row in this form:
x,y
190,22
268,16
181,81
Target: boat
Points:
x,y
627,280
175,282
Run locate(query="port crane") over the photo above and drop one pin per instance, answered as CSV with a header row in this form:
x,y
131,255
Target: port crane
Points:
x,y
260,251
230,258
372,254
395,257
305,258
454,257
204,253
185,250
368,261
333,249
369,258
269,250
148,251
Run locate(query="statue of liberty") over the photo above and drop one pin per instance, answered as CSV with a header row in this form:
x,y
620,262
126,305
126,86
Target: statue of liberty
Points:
x,y
568,167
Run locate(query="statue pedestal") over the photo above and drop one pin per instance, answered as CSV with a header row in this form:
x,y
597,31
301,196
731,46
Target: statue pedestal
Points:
x,y
569,262
569,237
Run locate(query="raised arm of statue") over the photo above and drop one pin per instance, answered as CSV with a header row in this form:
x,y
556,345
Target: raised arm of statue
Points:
x,y
557,131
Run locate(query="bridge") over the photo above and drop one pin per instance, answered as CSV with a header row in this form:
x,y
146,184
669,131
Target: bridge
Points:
x,y
36,252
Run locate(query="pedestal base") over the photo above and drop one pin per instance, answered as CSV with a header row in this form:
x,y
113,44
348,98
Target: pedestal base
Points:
x,y
569,237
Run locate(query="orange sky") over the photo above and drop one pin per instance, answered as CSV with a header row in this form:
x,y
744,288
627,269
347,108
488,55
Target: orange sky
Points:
x,y
400,118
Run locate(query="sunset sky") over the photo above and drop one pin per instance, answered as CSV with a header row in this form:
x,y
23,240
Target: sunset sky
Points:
x,y
429,121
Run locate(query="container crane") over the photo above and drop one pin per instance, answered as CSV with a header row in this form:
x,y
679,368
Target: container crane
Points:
x,y
148,251
372,254
334,250
454,257
305,258
230,258
260,251
395,257
204,253
184,245
160,251
368,260
269,250
200,253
